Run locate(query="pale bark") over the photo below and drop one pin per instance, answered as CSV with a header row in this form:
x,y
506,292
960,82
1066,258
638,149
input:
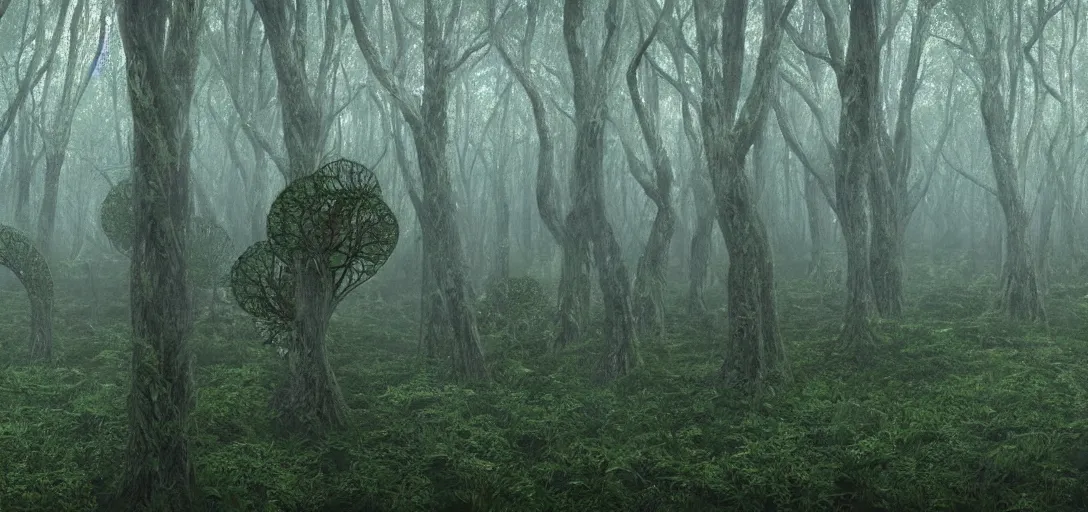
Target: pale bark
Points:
x,y
859,89
1020,298
649,305
428,122
587,225
889,184
754,353
60,131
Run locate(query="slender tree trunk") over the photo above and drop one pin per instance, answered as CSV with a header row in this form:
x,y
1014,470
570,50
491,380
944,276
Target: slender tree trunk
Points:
x,y
56,143
161,66
859,89
889,185
815,207
574,285
701,243
754,353
650,280
428,122
1047,204
47,219
588,219
1020,298
22,163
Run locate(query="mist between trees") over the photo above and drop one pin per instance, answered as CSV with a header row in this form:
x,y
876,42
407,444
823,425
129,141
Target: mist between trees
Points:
x,y
629,167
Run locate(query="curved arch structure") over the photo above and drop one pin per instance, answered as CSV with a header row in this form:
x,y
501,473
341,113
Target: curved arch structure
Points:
x,y
19,254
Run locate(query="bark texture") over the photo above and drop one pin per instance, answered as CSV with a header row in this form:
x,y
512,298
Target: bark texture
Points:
x,y
309,399
859,88
889,186
428,122
19,255
754,353
1020,297
161,66
587,223
650,278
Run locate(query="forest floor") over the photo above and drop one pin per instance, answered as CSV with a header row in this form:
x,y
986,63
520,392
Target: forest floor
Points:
x,y
958,410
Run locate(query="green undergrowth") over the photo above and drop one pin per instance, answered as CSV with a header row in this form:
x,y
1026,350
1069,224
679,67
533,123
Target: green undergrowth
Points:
x,y
958,410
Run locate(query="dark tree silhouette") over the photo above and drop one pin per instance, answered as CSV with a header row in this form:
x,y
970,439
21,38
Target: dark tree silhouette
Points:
x,y
334,228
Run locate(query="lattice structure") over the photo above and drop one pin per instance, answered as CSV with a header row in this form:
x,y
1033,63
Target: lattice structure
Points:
x,y
116,217
335,216
208,247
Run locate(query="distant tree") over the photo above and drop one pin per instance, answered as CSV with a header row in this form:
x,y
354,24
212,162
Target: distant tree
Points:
x,y
650,278
445,286
19,255
859,89
328,233
998,68
58,130
575,287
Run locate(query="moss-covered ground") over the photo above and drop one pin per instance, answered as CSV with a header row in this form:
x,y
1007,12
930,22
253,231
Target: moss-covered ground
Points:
x,y
958,410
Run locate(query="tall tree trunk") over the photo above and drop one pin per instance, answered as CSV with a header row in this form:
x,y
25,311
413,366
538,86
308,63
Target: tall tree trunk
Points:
x,y
588,222
428,122
650,280
161,66
501,271
815,206
754,354
574,286
859,88
701,243
304,402
56,142
889,184
1020,298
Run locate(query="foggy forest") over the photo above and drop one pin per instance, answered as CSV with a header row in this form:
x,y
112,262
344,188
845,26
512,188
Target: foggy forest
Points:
x,y
544,255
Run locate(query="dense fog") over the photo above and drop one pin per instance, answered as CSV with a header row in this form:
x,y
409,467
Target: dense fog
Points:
x,y
230,225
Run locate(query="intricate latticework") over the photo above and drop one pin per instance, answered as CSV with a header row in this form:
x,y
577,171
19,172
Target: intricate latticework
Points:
x,y
210,249
264,287
20,255
337,214
116,217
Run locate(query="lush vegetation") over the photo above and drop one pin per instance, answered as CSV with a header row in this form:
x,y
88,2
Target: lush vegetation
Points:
x,y
959,410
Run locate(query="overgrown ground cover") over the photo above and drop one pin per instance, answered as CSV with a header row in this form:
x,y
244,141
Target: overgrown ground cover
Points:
x,y
957,411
